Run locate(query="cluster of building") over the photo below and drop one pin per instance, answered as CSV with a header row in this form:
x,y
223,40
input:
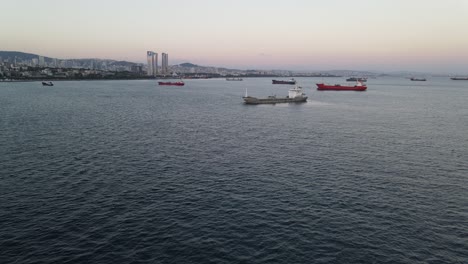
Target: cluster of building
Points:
x,y
18,65
153,68
34,73
93,64
39,67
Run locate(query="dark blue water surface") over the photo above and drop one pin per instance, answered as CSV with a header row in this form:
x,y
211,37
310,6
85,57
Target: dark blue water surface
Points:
x,y
132,172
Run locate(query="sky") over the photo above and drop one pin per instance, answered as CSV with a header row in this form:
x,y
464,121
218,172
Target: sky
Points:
x,y
377,35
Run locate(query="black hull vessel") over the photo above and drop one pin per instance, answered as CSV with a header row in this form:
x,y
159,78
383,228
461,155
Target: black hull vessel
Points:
x,y
292,81
355,79
273,100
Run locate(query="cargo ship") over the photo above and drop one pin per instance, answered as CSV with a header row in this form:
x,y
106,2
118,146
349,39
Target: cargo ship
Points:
x,y
341,87
356,79
172,83
295,95
460,78
292,81
418,79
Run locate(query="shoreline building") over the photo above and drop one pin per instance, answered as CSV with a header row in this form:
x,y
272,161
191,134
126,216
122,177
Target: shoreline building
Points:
x,y
164,63
152,58
41,61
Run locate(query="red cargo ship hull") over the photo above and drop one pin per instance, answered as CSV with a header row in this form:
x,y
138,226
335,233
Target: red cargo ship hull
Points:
x,y
339,87
172,83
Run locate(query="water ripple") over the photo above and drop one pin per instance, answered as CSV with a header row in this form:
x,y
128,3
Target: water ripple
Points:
x,y
128,172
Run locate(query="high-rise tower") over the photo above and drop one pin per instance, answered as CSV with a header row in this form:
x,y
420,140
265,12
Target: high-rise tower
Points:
x,y
152,58
165,63
41,61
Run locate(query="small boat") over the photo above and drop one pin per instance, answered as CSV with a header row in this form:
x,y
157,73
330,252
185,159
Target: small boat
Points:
x,y
356,79
234,79
47,84
418,79
180,83
459,78
295,95
341,87
292,81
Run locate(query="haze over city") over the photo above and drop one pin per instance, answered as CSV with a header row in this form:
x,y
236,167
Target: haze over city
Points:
x,y
297,34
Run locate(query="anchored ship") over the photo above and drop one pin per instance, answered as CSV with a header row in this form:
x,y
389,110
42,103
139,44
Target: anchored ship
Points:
x,y
460,78
418,79
295,95
292,81
234,79
172,83
356,79
341,87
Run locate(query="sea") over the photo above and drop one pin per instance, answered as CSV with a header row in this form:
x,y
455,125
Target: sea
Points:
x,y
133,172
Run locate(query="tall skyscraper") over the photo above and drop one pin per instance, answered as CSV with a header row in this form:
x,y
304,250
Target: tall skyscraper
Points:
x,y
152,58
41,61
165,63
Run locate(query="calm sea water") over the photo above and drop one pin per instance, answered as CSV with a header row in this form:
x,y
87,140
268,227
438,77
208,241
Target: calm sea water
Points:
x,y
130,172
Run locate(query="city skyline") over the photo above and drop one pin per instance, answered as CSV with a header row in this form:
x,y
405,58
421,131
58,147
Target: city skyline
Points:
x,y
298,35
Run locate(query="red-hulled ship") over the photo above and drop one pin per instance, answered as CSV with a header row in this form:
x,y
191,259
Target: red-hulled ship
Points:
x,y
292,81
340,87
172,83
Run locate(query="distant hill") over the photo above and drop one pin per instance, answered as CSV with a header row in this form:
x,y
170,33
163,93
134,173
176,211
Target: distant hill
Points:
x,y
30,59
351,73
188,64
22,55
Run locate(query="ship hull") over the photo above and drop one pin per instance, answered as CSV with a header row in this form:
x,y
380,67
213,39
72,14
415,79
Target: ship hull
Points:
x,y
325,87
275,100
459,78
172,83
283,82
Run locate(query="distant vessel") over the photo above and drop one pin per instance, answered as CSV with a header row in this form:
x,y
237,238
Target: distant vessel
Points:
x,y
356,79
234,79
47,84
295,95
460,78
172,83
418,79
340,87
197,77
292,81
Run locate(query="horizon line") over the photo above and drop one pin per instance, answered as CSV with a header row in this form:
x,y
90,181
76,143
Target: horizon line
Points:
x,y
243,68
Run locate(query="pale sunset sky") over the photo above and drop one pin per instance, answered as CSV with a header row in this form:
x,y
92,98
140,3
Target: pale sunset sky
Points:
x,y
382,35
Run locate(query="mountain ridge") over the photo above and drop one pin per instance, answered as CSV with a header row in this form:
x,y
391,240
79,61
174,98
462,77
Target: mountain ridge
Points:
x,y
105,64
